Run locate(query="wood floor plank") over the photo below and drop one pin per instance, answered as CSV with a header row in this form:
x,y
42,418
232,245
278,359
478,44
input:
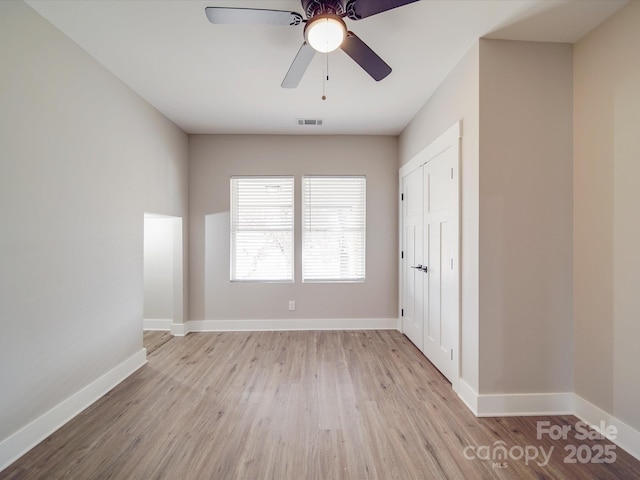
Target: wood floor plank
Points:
x,y
294,405
152,340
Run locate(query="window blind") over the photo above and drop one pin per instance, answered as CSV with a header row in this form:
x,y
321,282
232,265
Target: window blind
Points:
x,y
333,233
262,229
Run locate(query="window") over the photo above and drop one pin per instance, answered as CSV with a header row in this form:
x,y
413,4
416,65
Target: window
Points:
x,y
333,229
262,229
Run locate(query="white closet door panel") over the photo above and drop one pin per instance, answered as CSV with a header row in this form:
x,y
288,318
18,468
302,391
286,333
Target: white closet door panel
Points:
x,y
440,315
412,301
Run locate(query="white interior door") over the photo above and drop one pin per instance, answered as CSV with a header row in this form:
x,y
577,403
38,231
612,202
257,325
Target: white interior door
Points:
x,y
440,247
430,239
412,240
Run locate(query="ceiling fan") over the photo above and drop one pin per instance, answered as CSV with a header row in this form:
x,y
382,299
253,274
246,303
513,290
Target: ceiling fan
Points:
x,y
324,30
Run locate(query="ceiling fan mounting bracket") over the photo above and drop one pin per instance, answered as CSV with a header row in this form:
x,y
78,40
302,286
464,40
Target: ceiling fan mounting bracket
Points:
x,y
297,19
350,10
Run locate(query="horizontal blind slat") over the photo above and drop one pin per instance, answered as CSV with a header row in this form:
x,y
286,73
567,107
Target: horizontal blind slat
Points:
x,y
261,228
334,214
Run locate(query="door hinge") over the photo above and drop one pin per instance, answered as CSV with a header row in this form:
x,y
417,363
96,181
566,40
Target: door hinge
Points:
x,y
402,197
402,254
402,312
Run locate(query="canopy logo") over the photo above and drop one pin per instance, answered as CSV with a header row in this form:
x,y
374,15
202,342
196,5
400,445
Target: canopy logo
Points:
x,y
498,453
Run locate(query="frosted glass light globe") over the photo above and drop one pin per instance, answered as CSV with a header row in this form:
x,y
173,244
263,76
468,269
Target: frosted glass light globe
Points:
x,y
325,33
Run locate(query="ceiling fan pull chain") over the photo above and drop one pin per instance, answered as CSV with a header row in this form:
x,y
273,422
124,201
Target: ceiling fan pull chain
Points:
x,y
325,77
327,60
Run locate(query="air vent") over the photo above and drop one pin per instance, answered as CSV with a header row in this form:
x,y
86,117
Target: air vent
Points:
x,y
309,121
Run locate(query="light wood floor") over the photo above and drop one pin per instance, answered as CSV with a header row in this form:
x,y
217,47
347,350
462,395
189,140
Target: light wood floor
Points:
x,y
152,340
294,405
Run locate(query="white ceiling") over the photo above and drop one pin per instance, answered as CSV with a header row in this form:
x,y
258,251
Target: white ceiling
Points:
x,y
226,78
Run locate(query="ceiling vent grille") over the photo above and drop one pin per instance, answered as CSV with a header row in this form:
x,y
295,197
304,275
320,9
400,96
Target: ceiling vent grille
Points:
x,y
309,122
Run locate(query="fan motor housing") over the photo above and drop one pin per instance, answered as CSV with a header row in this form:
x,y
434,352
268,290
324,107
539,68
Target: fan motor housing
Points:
x,y
322,7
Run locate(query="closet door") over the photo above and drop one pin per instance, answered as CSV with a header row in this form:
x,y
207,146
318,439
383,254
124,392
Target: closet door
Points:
x,y
412,241
430,260
440,244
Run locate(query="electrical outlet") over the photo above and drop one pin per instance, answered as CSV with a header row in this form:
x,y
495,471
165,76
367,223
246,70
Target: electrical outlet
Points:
x,y
292,305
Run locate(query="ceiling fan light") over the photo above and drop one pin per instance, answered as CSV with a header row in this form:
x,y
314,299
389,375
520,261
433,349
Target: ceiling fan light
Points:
x,y
325,33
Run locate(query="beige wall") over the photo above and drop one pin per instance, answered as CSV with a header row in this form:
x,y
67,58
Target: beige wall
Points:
x,y
81,158
606,220
515,103
457,99
215,158
525,217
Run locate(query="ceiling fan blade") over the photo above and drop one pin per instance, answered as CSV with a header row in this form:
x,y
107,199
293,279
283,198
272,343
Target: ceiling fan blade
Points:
x,y
252,16
365,57
299,66
357,9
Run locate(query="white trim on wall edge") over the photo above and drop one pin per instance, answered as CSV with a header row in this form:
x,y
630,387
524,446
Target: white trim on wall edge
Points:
x,y
157,324
468,395
291,324
179,329
515,405
446,140
525,404
627,437
20,442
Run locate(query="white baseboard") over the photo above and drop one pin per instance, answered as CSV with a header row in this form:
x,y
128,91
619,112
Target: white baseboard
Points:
x,y
16,445
528,404
469,396
626,437
515,405
277,325
157,324
179,329
292,324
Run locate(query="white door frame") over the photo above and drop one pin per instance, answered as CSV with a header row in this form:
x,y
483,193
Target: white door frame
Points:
x,y
449,139
173,322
